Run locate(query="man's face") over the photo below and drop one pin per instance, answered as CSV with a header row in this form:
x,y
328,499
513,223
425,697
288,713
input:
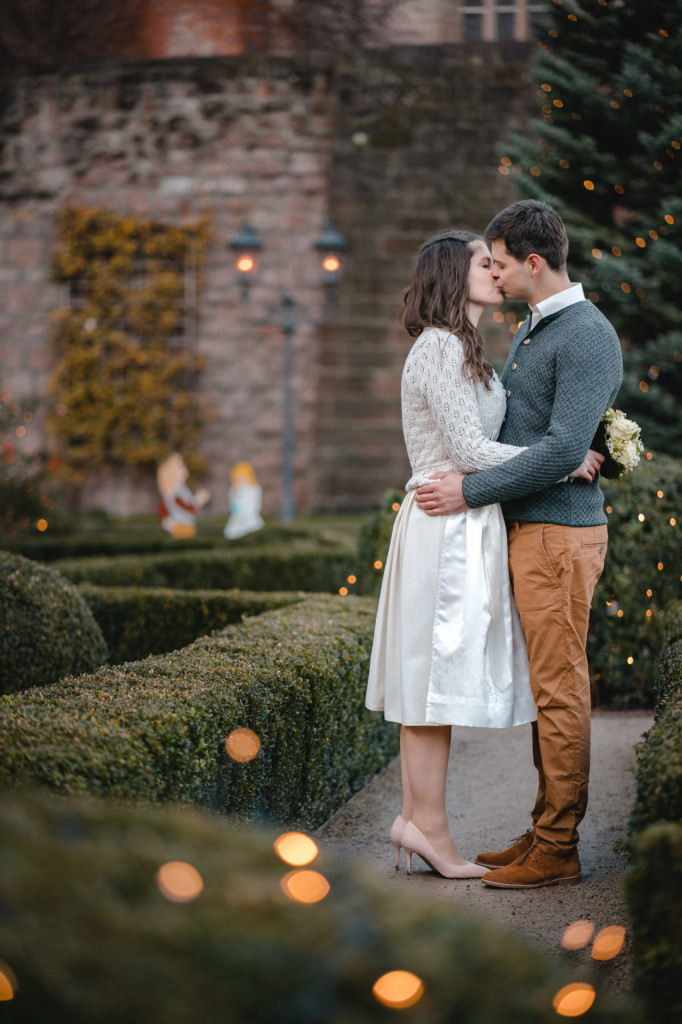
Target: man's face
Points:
x,y
513,277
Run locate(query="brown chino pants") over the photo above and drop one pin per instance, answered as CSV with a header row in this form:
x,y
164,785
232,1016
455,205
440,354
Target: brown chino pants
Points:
x,y
554,570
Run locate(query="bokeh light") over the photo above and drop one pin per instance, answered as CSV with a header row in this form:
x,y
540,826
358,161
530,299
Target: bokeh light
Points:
x,y
296,848
398,989
41,525
242,745
179,881
608,942
245,264
305,886
378,565
331,264
352,579
577,935
8,982
343,591
574,999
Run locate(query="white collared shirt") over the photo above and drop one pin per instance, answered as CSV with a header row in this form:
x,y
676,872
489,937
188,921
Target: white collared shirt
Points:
x,y
555,302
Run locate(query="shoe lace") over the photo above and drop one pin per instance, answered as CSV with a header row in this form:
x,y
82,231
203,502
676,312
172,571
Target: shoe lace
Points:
x,y
517,839
530,854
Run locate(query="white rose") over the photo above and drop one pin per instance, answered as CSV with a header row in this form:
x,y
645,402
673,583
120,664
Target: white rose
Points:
x,y
622,428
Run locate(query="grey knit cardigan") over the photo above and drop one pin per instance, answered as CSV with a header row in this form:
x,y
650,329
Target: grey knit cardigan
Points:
x,y
560,379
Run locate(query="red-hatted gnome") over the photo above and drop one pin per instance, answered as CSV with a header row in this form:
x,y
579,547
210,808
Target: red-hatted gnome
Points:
x,y
179,506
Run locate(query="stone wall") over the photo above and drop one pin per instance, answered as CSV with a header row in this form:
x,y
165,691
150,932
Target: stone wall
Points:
x,y
418,135
394,145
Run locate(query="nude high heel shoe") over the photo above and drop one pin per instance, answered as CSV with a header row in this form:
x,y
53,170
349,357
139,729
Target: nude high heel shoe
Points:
x,y
397,829
415,841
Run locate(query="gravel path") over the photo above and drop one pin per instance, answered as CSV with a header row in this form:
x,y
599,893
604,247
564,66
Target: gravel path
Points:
x,y
491,788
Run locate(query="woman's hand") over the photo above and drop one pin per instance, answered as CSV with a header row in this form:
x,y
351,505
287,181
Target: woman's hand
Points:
x,y
590,466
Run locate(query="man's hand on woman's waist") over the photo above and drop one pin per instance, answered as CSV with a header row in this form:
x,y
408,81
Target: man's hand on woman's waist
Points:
x,y
442,495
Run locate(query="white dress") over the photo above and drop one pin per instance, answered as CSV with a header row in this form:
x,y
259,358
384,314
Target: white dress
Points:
x,y
448,646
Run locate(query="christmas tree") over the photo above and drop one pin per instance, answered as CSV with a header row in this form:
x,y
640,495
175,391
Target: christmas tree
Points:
x,y
605,151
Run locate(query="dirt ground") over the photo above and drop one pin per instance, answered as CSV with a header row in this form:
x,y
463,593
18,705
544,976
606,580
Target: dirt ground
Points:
x,y
491,788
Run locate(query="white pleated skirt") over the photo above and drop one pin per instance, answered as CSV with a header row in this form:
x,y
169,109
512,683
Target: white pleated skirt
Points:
x,y
448,646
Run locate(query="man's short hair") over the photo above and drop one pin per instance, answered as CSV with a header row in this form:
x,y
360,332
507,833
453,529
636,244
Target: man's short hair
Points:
x,y
531,226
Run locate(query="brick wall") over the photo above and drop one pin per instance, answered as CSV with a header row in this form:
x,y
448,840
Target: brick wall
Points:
x,y
416,150
394,144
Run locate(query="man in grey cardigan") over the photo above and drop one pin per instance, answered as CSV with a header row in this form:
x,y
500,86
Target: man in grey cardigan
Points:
x,y
563,372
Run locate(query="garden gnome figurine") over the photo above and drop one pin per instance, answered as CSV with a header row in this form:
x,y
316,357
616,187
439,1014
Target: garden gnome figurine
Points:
x,y
245,502
179,506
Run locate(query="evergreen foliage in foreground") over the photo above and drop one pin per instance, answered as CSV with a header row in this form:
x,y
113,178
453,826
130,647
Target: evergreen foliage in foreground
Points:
x,y
605,151
90,937
654,883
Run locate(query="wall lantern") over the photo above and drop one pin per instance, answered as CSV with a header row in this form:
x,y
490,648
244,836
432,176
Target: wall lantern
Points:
x,y
247,247
331,245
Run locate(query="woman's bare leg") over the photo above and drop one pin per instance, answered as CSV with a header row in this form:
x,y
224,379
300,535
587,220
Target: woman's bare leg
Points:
x,y
425,751
407,792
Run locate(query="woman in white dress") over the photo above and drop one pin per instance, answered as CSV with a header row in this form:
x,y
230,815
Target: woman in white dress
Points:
x,y
448,646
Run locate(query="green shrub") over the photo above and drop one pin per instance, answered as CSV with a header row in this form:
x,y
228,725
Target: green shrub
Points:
x,y
90,938
46,629
654,896
375,537
654,882
155,729
636,548
132,537
312,565
139,621
659,771
659,757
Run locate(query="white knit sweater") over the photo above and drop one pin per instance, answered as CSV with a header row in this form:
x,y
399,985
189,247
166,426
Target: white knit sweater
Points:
x,y
449,420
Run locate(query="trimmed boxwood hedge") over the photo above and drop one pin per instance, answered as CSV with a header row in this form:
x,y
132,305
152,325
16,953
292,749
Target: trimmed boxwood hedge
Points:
x,y
312,565
90,938
659,758
654,898
155,729
137,621
130,537
654,883
46,628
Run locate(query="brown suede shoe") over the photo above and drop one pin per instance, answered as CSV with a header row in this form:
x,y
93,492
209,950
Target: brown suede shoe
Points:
x,y
500,860
538,866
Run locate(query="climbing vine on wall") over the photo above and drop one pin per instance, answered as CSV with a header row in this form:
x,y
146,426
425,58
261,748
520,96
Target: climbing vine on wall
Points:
x,y
125,381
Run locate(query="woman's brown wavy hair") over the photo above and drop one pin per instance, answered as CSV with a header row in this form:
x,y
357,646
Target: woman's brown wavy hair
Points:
x,y
438,294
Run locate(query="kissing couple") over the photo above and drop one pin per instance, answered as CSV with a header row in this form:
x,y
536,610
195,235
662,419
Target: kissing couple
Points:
x,y
500,540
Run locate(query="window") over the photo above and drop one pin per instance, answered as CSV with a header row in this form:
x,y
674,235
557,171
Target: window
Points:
x,y
491,20
473,27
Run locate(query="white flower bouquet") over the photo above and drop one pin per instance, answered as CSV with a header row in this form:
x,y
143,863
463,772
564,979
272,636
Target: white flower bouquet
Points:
x,y
618,439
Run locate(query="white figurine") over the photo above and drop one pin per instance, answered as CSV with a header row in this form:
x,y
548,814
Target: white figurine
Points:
x,y
245,502
179,506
